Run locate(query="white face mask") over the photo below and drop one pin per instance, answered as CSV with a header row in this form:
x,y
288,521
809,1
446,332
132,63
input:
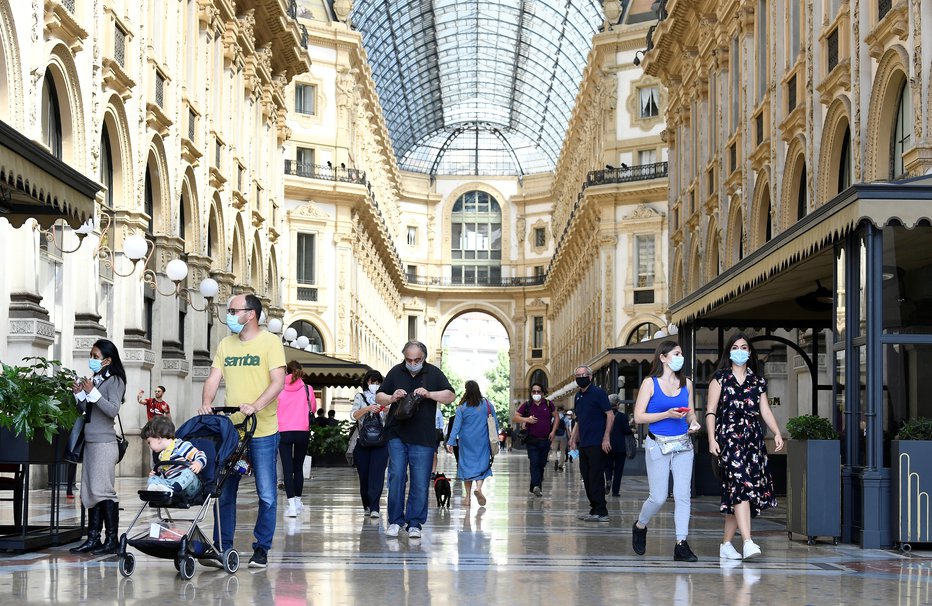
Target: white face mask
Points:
x,y
373,387
536,397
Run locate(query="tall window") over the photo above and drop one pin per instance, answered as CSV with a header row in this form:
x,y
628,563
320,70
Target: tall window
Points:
x,y
51,117
763,48
412,235
540,237
476,243
305,160
644,259
306,259
647,156
149,201
106,178
795,30
305,99
902,132
538,337
412,328
801,199
844,166
649,102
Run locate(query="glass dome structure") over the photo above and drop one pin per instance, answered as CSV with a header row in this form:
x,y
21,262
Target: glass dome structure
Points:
x,y
477,87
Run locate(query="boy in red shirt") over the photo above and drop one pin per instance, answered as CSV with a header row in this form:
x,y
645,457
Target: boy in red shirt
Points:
x,y
154,406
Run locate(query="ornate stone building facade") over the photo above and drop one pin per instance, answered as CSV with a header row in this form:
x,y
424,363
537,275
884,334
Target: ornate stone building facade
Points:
x,y
177,110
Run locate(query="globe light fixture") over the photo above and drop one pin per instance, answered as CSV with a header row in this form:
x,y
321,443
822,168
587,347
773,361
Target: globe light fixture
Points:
x,y
275,325
290,334
303,342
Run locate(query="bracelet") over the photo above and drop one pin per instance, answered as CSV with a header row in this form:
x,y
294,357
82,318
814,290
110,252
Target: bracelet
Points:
x,y
711,413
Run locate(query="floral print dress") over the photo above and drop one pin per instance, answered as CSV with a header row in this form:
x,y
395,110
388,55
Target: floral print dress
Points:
x,y
740,436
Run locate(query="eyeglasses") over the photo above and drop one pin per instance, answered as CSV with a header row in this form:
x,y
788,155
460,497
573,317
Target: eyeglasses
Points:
x,y
536,391
240,310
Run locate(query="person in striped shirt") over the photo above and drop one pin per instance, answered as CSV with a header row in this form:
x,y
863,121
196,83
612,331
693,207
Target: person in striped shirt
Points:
x,y
159,434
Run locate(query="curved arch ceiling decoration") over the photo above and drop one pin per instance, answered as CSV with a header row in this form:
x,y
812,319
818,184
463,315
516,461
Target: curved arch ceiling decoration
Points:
x,y
482,87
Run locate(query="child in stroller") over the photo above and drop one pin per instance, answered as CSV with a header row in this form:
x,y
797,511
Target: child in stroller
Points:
x,y
179,461
223,445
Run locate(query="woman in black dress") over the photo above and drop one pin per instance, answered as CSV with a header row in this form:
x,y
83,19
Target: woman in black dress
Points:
x,y
737,403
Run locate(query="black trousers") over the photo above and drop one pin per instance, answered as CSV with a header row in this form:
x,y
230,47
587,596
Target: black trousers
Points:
x,y
292,448
592,468
371,464
615,468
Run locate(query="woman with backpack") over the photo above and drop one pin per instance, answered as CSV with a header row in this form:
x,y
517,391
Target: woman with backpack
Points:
x,y
471,433
371,453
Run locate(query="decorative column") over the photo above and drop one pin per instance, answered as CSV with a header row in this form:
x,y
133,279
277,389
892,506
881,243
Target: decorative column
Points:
x,y
30,332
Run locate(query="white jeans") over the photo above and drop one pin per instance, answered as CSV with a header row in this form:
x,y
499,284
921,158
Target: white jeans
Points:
x,y
659,467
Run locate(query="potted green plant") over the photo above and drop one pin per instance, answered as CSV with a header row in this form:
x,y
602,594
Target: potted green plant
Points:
x,y
37,410
327,446
912,481
813,505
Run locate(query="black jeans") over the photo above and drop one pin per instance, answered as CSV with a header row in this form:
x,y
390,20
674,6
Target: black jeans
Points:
x,y
370,464
592,468
537,452
292,448
615,468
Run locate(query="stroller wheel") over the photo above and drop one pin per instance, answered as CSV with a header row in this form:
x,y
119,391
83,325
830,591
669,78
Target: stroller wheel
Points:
x,y
231,560
187,568
127,564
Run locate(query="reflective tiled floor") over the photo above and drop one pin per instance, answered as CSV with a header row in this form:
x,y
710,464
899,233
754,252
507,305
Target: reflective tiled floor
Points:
x,y
518,549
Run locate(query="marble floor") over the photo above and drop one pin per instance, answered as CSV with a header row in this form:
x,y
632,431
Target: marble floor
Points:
x,y
519,549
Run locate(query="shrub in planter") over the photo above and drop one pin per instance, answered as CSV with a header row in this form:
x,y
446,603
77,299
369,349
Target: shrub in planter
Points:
x,y
329,440
813,478
912,480
36,399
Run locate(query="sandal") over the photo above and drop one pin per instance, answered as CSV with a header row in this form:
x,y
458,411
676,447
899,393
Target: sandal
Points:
x,y
479,497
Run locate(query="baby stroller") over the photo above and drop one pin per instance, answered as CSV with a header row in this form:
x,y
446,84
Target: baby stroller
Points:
x,y
219,438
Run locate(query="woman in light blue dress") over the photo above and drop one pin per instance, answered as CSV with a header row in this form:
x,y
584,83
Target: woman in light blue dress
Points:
x,y
471,433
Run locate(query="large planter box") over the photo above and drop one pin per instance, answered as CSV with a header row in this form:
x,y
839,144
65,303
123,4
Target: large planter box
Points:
x,y
813,504
912,484
16,449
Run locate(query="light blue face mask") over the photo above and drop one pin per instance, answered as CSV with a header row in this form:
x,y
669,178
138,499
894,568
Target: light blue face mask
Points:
x,y
676,363
233,324
95,365
740,356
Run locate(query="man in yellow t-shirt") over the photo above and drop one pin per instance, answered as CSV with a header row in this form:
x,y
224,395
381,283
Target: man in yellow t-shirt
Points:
x,y
251,363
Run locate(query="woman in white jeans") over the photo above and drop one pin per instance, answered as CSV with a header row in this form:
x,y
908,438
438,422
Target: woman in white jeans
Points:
x,y
665,401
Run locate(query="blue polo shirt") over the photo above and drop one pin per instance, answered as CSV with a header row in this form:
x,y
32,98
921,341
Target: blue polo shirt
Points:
x,y
591,406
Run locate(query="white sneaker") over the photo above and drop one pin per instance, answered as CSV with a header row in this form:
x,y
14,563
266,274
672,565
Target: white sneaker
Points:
x,y
751,550
392,530
727,551
298,505
414,533
374,514
159,488
291,512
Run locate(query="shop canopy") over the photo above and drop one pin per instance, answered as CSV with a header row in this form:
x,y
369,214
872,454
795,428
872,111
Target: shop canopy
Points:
x,y
325,371
35,184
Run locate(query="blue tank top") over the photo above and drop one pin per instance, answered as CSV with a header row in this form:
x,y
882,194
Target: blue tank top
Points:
x,y
661,402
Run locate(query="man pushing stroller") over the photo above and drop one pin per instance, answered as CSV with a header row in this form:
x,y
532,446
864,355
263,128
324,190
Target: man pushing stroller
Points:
x,y
188,461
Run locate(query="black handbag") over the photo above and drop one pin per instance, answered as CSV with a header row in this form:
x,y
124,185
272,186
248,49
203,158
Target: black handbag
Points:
x,y
75,451
122,442
408,406
371,431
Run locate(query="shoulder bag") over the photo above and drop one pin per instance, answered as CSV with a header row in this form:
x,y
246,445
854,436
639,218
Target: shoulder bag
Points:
x,y
493,433
122,443
408,406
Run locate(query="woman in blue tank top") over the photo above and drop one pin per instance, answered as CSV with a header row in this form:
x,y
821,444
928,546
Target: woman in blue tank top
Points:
x,y
665,403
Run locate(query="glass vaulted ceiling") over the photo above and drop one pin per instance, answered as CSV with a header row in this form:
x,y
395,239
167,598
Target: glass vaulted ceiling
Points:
x,y
473,87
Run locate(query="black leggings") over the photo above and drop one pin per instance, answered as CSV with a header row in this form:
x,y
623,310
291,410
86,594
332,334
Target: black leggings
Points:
x,y
292,448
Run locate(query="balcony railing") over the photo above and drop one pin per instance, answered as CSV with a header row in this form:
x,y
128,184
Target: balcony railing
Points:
x,y
327,173
625,174
488,282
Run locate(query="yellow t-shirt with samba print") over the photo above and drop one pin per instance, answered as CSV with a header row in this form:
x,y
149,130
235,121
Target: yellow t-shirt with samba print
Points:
x,y
246,366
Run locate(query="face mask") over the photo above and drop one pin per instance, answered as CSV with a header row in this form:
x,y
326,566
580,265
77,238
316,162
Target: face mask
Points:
x,y
95,365
414,368
740,356
373,387
233,324
676,363
583,382
536,397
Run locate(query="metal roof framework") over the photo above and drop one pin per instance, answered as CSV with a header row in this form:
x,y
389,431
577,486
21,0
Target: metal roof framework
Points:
x,y
482,87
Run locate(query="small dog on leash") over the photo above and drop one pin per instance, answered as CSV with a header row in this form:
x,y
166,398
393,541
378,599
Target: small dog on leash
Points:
x,y
443,491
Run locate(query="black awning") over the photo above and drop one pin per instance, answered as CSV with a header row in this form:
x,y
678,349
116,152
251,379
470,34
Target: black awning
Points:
x,y
325,371
35,184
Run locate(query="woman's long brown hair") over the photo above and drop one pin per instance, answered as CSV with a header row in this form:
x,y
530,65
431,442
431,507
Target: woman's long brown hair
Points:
x,y
656,367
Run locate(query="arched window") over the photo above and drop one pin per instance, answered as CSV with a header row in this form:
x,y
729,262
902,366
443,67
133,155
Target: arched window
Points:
x,y
902,132
306,329
476,242
539,377
801,197
149,201
642,332
51,117
106,166
844,166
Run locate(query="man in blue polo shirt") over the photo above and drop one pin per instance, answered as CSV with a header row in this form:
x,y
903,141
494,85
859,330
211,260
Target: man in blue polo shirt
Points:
x,y
591,434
